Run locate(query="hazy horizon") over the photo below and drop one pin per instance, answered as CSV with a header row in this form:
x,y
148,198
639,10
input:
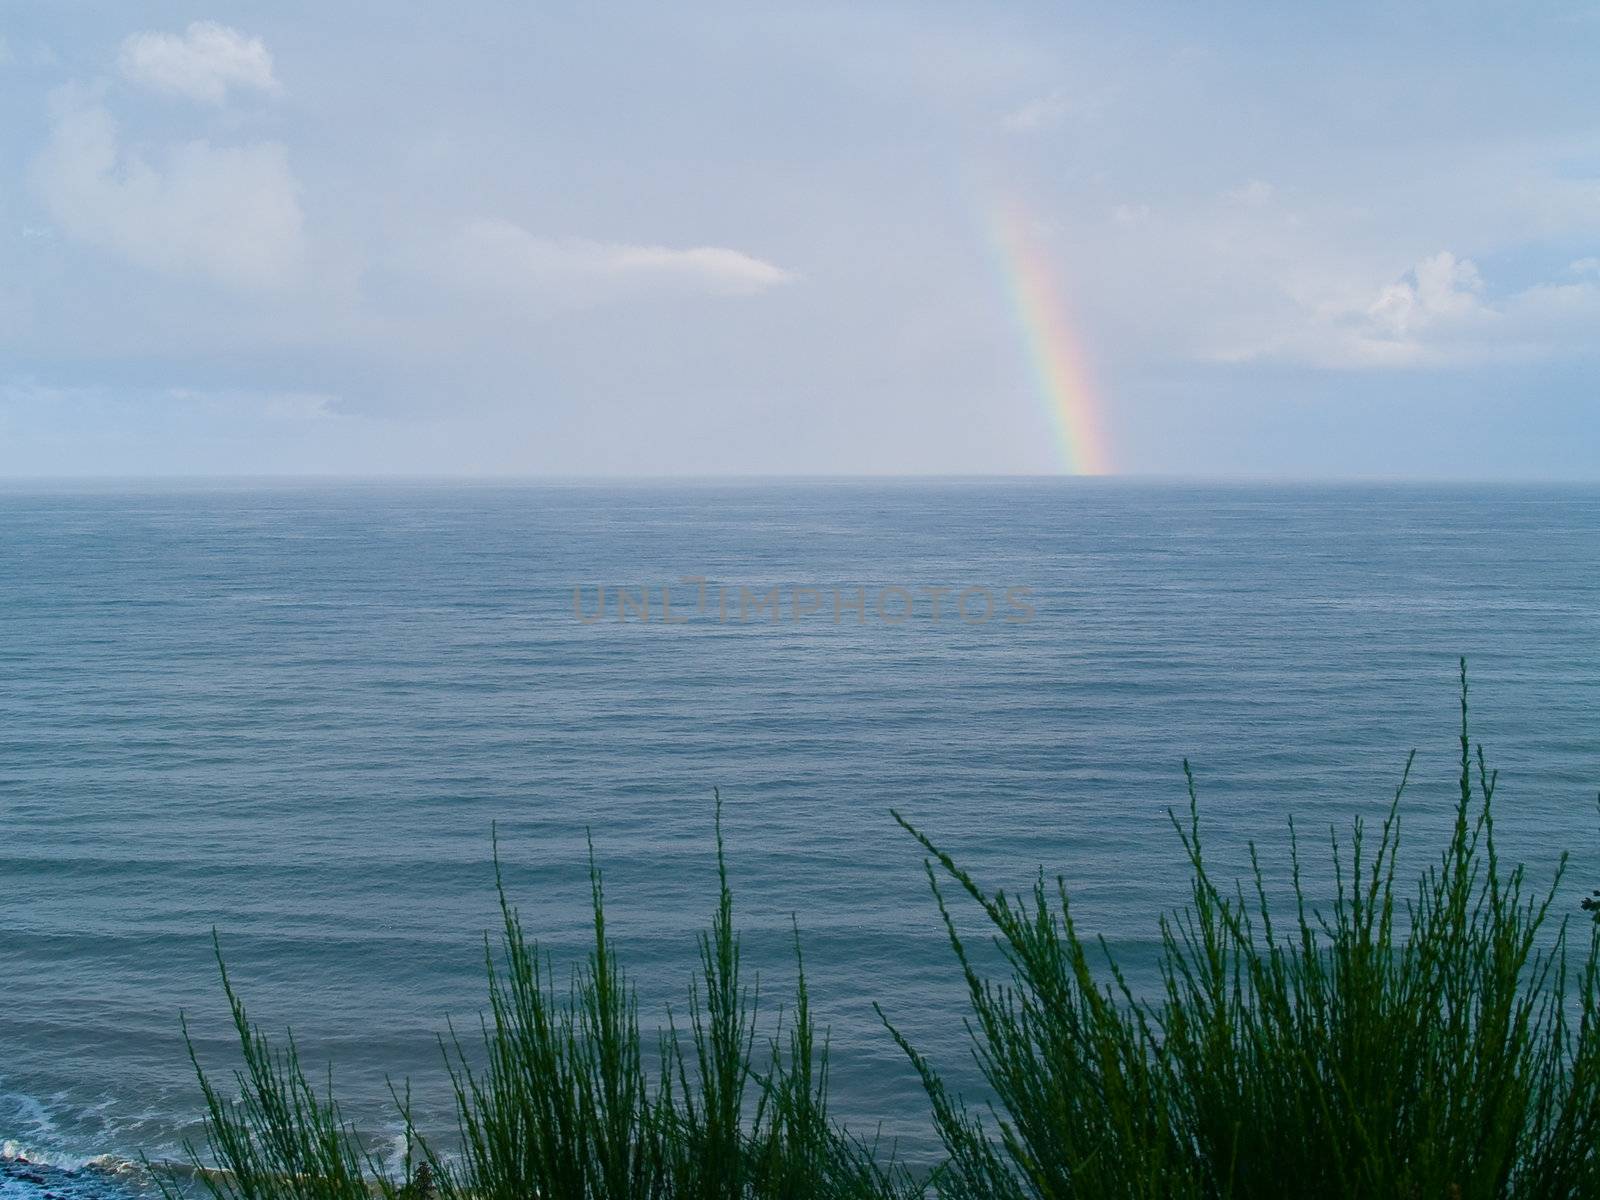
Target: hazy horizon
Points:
x,y
289,478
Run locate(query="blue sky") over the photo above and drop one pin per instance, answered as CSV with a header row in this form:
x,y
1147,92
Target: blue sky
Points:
x,y
1318,241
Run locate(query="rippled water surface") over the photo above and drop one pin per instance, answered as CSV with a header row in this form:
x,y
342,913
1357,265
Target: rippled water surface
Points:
x,y
293,714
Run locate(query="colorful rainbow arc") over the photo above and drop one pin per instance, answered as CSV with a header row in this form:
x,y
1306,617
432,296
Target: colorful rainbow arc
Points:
x,y
1060,370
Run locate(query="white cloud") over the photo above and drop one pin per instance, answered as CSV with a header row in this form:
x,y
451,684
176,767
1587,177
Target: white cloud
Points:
x,y
501,257
1255,194
1040,113
1439,291
228,212
202,64
20,393
1584,266
269,406
50,428
1053,108
1439,314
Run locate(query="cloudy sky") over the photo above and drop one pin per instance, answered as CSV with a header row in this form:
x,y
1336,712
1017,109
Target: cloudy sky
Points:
x,y
592,238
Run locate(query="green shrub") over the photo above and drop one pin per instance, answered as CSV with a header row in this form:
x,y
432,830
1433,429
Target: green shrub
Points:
x,y
1394,1044
1423,1041
563,1102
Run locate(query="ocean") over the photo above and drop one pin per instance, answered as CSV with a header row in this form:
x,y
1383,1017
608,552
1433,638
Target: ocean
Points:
x,y
299,714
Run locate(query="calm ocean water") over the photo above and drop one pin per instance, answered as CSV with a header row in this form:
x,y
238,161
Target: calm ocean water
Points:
x,y
292,714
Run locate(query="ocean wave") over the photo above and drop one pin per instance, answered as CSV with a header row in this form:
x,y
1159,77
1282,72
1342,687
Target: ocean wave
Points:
x,y
44,1176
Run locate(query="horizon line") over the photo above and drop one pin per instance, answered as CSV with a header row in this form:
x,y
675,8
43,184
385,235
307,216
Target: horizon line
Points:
x,y
535,478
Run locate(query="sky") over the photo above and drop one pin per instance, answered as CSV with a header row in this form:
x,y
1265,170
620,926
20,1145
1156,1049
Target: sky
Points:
x,y
1287,241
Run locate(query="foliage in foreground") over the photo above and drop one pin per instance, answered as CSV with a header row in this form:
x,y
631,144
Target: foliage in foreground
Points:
x,y
1400,1041
561,1099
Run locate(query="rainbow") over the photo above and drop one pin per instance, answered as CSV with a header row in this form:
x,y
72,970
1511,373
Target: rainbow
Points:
x,y
1061,372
